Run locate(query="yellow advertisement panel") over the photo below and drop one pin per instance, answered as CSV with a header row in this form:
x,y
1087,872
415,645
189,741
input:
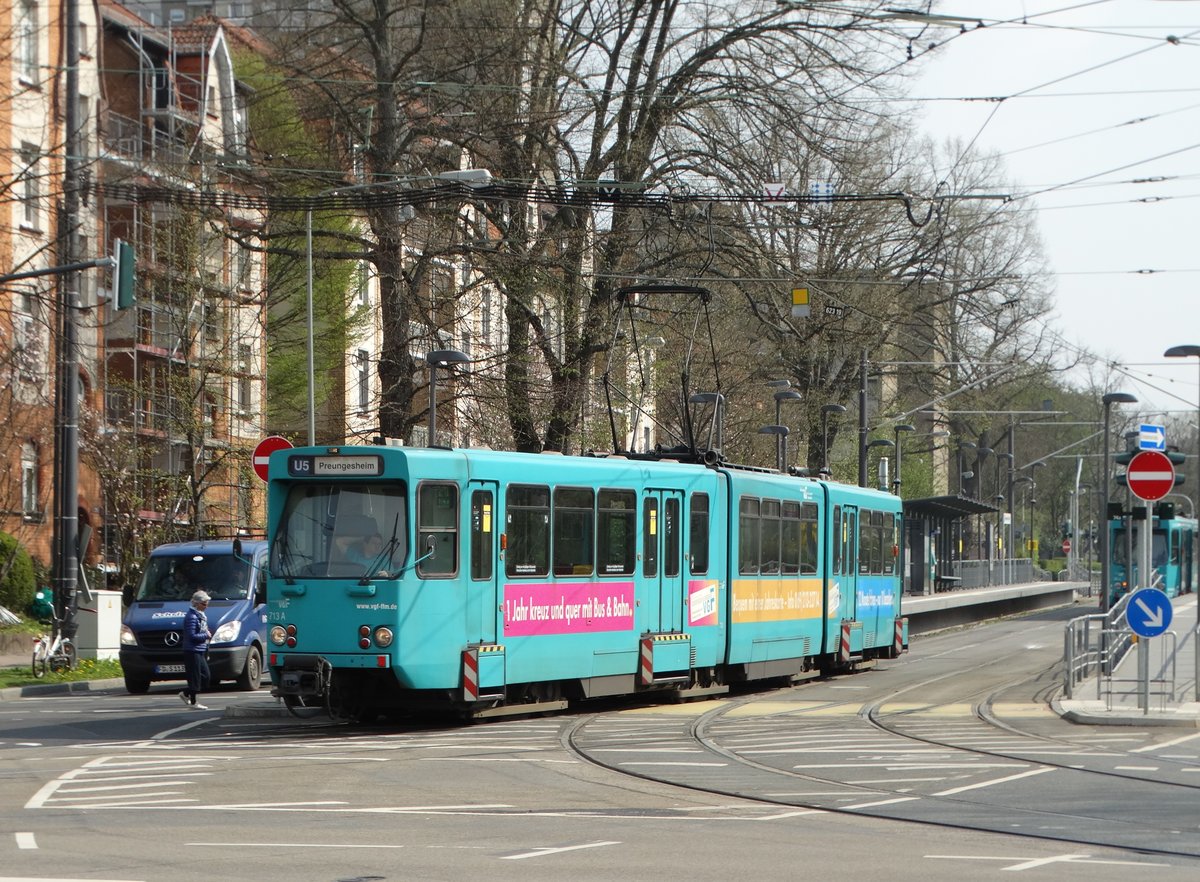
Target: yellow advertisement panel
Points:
x,y
776,600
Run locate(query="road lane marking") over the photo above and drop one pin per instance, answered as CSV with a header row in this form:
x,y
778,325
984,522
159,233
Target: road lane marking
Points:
x,y
26,841
1180,740
542,852
1035,863
1004,780
863,805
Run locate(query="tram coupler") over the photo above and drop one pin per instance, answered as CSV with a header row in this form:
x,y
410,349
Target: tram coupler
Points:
x,y
304,676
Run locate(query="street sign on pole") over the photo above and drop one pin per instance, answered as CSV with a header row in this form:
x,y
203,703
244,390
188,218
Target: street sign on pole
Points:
x,y
262,453
1149,612
1150,475
1151,437
1066,546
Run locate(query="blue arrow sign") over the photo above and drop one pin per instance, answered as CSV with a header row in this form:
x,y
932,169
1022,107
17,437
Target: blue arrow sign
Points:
x,y
1149,612
1151,437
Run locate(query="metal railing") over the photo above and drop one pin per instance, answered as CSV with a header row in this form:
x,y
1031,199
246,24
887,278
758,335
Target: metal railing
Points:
x,y
1094,645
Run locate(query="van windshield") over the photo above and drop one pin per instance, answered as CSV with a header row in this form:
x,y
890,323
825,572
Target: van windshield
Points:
x,y
341,531
177,577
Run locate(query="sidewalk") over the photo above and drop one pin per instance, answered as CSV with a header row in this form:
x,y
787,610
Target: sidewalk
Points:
x,y
1120,702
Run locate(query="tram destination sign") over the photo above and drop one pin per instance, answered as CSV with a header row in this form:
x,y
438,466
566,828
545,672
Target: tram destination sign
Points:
x,y
309,466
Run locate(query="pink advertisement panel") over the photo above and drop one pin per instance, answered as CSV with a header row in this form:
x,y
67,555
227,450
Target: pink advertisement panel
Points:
x,y
567,608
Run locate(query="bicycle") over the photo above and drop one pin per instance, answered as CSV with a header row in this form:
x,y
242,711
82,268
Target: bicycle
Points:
x,y
57,654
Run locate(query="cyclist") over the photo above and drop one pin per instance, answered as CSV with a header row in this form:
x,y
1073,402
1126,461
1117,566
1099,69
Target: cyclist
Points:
x,y
195,649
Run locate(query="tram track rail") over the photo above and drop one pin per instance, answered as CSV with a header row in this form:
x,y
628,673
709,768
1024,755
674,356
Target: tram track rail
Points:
x,y
707,754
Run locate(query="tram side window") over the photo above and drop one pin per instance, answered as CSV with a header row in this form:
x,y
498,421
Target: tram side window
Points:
x,y
650,537
698,539
837,539
891,540
617,551
672,539
482,535
527,526
770,543
437,529
792,539
749,531
808,538
574,529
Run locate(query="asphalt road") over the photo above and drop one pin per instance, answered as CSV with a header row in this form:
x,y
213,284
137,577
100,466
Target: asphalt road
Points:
x,y
824,779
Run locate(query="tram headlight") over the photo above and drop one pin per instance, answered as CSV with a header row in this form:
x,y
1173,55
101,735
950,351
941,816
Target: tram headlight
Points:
x,y
383,637
278,635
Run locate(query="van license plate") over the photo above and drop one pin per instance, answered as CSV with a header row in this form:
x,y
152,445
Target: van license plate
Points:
x,y
168,669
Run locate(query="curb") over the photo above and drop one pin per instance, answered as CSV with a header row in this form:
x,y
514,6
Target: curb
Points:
x,y
70,688
256,711
1180,719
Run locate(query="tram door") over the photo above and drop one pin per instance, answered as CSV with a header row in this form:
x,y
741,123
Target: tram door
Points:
x,y
850,563
662,559
482,570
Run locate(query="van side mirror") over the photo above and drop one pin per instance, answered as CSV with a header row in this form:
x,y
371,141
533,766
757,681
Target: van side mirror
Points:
x,y
237,547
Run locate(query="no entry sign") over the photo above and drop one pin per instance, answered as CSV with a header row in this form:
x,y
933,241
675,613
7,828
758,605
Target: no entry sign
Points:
x,y
1150,475
262,453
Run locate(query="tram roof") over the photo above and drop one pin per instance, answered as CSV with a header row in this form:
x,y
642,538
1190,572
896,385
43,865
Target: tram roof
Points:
x,y
947,506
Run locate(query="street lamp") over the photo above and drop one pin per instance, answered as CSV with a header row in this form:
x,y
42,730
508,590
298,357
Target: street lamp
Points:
x,y
962,475
1033,467
1005,540
1109,399
903,427
882,474
436,359
1184,352
826,410
781,438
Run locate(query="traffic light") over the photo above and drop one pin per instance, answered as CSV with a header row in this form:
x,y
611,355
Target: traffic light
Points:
x,y
1066,530
1164,511
124,275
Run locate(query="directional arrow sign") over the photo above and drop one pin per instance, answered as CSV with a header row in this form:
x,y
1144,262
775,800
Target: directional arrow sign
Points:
x,y
1149,612
1150,475
1152,437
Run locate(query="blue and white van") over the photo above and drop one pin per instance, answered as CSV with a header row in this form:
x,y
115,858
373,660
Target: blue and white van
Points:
x,y
234,575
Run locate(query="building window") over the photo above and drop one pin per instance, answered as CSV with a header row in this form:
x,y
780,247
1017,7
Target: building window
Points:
x,y
362,365
28,347
31,187
29,480
27,42
362,283
245,369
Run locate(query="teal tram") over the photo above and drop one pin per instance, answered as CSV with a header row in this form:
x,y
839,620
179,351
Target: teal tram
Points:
x,y
483,582
1172,554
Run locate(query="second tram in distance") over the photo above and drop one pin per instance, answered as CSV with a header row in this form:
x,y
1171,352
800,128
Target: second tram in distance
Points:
x,y
1172,554
481,581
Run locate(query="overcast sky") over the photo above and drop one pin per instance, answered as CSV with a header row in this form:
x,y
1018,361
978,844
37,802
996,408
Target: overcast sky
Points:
x,y
1101,119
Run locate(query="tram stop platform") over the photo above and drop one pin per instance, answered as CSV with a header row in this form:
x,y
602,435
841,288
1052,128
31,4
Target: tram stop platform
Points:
x,y
1170,695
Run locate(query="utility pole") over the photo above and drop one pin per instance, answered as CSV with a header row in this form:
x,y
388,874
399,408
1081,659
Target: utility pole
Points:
x,y
66,403
863,429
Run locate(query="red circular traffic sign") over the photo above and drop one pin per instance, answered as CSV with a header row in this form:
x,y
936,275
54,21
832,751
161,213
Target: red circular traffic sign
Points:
x,y
1066,546
262,453
1150,475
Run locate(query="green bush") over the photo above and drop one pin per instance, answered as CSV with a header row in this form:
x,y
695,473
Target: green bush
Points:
x,y
18,584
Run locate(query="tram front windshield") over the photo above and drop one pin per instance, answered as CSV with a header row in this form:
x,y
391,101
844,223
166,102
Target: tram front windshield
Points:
x,y
1158,548
341,531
